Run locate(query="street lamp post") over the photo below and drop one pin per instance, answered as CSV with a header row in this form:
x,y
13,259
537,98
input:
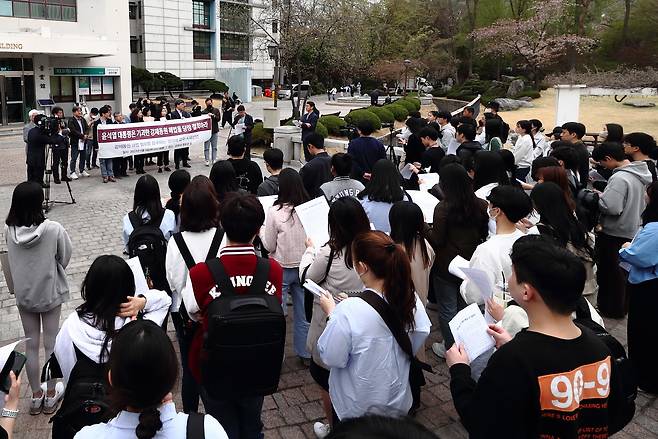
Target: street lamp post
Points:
x,y
407,63
273,50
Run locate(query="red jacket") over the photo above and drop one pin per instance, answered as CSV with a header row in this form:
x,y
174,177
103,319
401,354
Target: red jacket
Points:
x,y
240,264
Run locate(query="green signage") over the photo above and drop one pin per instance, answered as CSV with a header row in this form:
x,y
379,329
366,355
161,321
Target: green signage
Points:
x,y
86,71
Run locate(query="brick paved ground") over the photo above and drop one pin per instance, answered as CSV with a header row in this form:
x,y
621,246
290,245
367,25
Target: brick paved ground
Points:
x,y
94,224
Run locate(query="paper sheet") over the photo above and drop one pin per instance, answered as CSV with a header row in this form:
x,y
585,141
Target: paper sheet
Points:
x,y
481,280
469,328
267,202
426,201
141,286
456,265
406,172
5,351
428,181
314,216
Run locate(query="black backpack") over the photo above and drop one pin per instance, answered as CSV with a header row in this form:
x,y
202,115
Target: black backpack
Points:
x,y
85,399
623,386
245,337
149,244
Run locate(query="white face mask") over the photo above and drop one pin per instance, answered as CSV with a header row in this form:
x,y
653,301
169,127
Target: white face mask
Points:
x,y
603,134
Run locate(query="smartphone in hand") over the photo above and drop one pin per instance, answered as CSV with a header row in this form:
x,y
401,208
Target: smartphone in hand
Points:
x,y
15,364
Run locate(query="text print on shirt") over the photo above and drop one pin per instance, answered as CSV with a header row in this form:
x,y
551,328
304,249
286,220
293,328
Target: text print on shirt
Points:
x,y
243,281
564,391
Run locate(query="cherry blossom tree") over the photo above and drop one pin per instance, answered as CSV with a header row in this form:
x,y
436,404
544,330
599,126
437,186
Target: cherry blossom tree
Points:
x,y
537,40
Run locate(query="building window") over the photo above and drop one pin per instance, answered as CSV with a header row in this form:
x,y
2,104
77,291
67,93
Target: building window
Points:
x,y
234,17
133,44
201,45
132,10
235,47
58,10
201,14
62,88
101,88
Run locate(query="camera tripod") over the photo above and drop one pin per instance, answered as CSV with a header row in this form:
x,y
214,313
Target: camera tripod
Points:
x,y
390,149
47,202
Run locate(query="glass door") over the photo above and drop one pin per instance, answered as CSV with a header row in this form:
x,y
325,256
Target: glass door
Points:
x,y
12,100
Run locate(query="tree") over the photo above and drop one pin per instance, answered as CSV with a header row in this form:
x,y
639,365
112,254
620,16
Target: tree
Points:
x,y
145,79
537,41
214,86
169,81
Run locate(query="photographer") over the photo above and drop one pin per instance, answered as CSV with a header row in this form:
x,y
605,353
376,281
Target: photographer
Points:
x,y
60,150
37,139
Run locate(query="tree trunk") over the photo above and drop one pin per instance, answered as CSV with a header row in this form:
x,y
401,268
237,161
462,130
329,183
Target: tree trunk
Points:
x,y
627,16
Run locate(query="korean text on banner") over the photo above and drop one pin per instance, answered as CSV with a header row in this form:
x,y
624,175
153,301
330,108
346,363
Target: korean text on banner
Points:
x,y
122,140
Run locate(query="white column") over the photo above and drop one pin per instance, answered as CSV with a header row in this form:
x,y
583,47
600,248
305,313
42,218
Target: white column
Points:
x,y
567,103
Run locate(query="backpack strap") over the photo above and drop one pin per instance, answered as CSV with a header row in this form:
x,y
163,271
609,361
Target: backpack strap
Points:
x,y
216,242
195,428
386,313
134,219
221,278
184,250
260,277
582,309
224,283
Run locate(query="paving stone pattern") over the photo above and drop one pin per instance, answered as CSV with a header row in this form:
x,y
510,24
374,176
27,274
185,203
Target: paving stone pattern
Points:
x,y
94,224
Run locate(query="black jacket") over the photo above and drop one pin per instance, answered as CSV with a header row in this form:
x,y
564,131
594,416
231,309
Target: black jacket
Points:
x,y
176,115
215,118
468,149
94,129
315,173
365,152
74,131
36,146
248,123
311,118
248,174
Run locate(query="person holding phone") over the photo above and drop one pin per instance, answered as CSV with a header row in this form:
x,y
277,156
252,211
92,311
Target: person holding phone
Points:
x,y
10,410
39,251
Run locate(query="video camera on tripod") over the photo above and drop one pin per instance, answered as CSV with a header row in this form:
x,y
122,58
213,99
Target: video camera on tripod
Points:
x,y
51,125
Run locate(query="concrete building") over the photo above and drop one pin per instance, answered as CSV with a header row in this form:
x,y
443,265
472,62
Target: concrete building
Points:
x,y
204,39
66,51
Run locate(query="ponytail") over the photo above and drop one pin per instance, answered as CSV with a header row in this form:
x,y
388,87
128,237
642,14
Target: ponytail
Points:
x,y
389,261
149,423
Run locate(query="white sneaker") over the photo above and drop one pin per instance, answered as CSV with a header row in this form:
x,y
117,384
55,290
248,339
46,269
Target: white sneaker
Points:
x,y
73,176
207,163
439,349
85,174
321,430
36,404
50,403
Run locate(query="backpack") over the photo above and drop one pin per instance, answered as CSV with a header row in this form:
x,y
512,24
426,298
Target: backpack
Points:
x,y
149,244
243,345
587,208
85,399
188,325
623,386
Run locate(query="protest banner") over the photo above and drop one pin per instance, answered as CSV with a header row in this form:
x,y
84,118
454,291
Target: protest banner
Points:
x,y
123,140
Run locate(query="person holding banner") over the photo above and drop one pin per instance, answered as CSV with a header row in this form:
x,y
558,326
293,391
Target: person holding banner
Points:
x,y
107,171
181,154
163,157
210,146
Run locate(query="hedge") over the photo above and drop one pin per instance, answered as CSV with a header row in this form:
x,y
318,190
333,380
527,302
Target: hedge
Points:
x,y
383,114
333,124
356,116
399,112
410,106
321,130
260,134
414,101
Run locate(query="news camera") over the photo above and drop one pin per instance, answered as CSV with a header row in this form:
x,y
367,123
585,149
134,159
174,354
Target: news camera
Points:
x,y
50,125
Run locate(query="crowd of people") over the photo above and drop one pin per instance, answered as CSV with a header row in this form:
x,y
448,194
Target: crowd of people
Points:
x,y
565,232
79,134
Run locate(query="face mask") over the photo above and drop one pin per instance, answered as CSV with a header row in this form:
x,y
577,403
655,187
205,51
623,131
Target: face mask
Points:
x,y
603,134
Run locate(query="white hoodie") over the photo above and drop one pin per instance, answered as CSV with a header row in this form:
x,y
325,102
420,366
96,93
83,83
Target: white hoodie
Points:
x,y
89,340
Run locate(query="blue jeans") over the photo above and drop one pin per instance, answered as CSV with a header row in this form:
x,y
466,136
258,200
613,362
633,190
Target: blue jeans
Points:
x,y
106,168
75,153
211,146
293,286
240,417
449,301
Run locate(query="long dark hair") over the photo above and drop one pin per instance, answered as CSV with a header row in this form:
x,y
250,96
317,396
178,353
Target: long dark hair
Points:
x,y
26,205
346,220
388,261
199,208
558,175
291,190
554,212
464,207
526,125
223,178
489,168
136,383
147,198
108,283
650,214
384,184
408,229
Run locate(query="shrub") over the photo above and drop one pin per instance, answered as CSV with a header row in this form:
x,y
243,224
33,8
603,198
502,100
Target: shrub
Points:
x,y
260,134
407,104
414,101
383,114
321,130
399,112
356,116
534,94
214,86
333,124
